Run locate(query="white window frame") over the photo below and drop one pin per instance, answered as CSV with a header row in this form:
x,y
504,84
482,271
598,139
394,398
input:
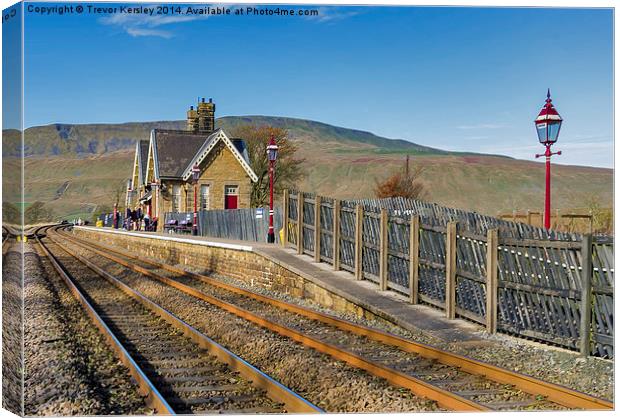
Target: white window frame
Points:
x,y
233,188
204,197
176,198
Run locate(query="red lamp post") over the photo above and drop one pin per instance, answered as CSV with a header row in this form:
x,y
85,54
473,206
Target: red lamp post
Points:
x,y
272,155
115,217
548,124
195,177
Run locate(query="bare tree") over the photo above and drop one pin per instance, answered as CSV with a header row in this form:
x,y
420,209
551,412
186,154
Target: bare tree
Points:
x,y
288,168
405,182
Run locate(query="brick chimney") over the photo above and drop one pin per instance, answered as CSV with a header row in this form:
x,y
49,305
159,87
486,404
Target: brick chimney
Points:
x,y
192,120
206,117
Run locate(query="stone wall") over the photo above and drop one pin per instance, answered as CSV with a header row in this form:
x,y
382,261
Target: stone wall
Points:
x,y
242,264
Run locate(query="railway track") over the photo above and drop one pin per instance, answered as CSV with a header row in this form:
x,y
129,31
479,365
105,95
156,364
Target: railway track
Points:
x,y
178,369
455,382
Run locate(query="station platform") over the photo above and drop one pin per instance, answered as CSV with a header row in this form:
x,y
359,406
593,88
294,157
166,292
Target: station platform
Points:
x,y
387,305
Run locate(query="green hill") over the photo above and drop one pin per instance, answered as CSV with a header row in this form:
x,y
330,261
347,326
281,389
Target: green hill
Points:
x,y
77,168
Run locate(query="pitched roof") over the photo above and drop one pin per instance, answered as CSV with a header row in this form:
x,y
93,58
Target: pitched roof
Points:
x,y
175,149
144,154
237,148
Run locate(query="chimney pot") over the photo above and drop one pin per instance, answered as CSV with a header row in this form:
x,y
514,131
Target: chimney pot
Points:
x,y
210,100
203,99
191,108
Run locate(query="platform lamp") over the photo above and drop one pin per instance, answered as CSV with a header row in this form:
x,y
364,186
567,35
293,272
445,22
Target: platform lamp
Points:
x,y
195,177
548,124
272,155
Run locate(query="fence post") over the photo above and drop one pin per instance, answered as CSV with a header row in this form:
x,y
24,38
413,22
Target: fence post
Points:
x,y
336,235
414,254
491,285
585,328
359,217
317,228
300,222
450,269
541,219
383,249
285,209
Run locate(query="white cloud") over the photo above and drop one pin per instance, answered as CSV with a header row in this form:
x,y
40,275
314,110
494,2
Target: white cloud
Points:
x,y
147,20
477,137
144,24
588,153
595,151
149,32
331,13
482,126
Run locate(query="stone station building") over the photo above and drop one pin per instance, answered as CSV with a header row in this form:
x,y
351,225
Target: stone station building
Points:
x,y
161,180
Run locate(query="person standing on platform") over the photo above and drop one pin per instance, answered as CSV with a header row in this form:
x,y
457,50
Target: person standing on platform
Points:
x,y
147,221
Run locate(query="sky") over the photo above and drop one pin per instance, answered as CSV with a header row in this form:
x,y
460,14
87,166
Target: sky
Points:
x,y
463,79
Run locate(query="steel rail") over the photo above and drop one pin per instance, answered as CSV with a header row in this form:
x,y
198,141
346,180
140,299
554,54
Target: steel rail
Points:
x,y
559,394
154,398
276,391
443,397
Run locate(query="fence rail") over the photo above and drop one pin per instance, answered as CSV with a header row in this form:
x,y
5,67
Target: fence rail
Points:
x,y
239,224
547,285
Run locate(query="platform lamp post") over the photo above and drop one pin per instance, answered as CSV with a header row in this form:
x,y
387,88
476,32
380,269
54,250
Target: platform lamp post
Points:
x,y
548,124
115,216
272,155
195,177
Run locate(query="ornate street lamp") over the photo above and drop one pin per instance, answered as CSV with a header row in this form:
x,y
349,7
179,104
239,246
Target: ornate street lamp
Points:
x,y
115,216
272,155
195,177
548,124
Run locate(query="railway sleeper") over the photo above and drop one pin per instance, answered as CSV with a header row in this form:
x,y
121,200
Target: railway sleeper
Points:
x,y
442,382
203,388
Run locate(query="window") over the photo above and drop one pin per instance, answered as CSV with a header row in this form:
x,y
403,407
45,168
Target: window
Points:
x,y
204,197
176,198
231,190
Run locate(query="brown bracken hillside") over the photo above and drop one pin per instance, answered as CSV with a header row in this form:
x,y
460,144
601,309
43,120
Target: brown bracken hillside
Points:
x,y
75,169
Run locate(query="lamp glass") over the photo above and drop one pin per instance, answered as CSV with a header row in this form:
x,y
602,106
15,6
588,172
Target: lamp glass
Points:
x,y
195,173
554,130
548,132
272,154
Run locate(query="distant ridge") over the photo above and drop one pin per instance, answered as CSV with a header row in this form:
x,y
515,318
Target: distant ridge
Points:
x,y
78,168
99,138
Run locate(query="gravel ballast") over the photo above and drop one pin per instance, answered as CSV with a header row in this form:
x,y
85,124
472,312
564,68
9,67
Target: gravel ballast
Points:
x,y
329,384
545,362
12,389
590,375
69,369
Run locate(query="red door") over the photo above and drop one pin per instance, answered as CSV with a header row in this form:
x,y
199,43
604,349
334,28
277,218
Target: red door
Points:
x,y
231,194
230,202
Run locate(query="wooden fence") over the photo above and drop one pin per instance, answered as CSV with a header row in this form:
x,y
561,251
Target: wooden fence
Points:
x,y
238,224
567,222
542,284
